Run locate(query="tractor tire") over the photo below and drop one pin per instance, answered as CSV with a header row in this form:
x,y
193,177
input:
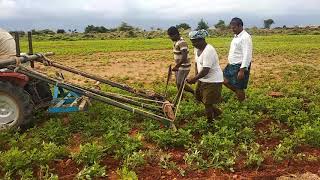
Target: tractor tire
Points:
x,y
40,93
16,106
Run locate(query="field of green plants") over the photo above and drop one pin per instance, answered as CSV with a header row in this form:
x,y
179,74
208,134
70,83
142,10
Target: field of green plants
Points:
x,y
277,44
264,137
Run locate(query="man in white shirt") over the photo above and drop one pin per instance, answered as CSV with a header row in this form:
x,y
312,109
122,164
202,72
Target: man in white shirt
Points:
x,y
7,45
236,74
208,74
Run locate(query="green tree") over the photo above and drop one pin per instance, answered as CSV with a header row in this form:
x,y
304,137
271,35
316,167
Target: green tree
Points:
x,y
34,32
95,29
202,25
89,29
268,23
102,29
61,31
184,26
220,25
125,27
46,31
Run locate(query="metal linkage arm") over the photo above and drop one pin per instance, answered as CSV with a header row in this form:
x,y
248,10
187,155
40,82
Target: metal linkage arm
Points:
x,y
81,91
97,78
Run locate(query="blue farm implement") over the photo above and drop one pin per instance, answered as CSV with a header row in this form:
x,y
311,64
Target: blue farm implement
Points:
x,y
24,89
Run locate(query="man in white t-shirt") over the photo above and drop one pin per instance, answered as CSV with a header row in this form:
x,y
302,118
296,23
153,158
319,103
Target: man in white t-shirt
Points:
x,y
7,45
208,74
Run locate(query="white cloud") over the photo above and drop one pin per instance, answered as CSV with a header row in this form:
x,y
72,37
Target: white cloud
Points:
x,y
7,8
107,8
195,7
158,8
154,10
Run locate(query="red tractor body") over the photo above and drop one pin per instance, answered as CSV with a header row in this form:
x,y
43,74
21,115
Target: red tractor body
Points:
x,y
15,78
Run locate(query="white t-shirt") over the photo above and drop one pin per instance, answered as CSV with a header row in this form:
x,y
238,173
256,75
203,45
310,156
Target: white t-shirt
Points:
x,y
209,58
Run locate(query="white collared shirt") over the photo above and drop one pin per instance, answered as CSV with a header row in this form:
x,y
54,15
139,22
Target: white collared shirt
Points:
x,y
241,50
209,58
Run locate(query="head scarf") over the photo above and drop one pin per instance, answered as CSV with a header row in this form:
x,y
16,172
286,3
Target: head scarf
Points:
x,y
200,34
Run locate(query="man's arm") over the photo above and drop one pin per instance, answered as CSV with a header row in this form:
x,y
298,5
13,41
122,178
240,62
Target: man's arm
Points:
x,y
247,57
247,52
200,75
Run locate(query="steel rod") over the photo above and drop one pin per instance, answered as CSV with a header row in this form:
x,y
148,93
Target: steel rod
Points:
x,y
23,59
122,99
30,47
97,78
180,92
139,98
17,40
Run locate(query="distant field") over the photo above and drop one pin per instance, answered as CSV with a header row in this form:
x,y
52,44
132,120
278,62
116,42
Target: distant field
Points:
x,y
262,44
264,137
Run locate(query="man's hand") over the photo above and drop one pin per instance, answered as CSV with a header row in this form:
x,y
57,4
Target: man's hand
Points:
x,y
175,68
191,80
241,74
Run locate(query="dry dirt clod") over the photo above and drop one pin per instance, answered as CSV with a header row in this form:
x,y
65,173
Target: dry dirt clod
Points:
x,y
276,94
305,176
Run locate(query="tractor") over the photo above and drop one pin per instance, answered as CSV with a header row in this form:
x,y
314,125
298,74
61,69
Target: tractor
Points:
x,y
24,90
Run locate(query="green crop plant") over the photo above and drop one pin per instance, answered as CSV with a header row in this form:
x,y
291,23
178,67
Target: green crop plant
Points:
x,y
89,154
92,172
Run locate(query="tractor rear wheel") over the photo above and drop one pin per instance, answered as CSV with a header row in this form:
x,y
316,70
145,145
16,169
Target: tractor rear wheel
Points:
x,y
16,106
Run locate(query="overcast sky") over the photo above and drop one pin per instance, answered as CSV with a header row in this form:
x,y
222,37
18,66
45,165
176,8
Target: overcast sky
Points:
x,y
76,14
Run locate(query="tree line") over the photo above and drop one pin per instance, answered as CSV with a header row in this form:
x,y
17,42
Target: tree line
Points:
x,y
202,24
125,27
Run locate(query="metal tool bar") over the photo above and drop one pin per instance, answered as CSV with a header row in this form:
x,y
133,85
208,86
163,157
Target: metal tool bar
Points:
x,y
122,99
23,59
97,78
